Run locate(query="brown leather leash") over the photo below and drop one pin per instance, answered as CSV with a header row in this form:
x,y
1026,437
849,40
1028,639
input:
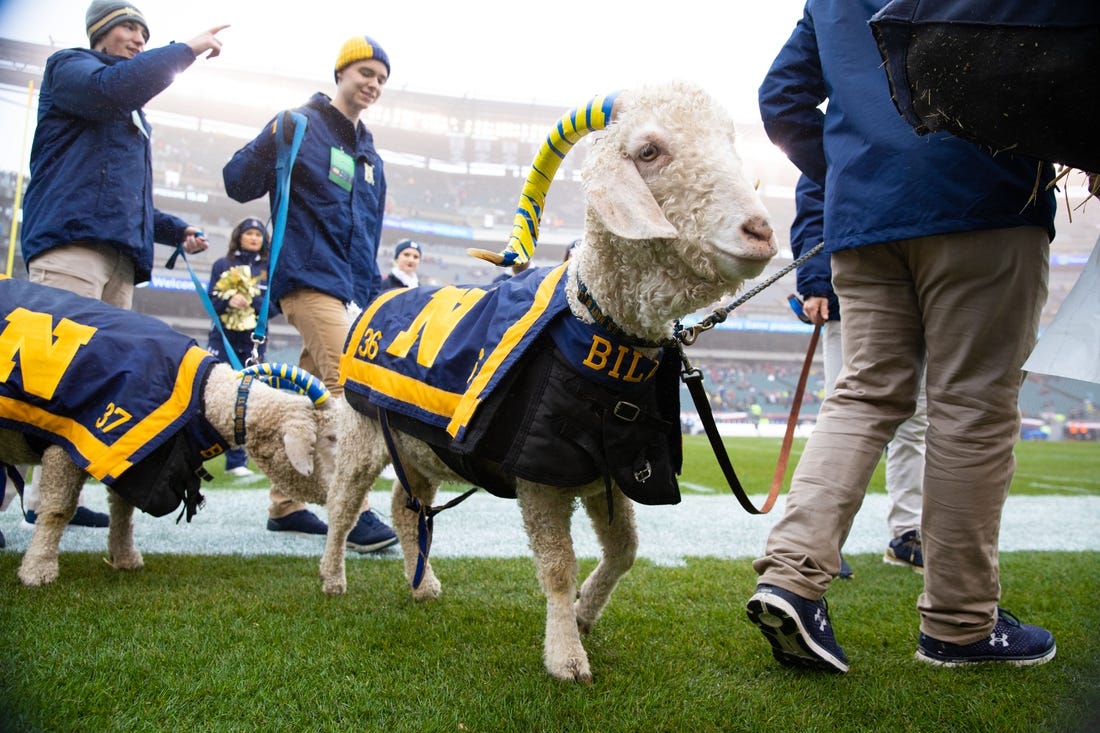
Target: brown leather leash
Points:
x,y
693,378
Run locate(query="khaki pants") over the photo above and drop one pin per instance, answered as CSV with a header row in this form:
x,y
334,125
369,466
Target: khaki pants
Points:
x,y
971,302
322,321
93,270
904,454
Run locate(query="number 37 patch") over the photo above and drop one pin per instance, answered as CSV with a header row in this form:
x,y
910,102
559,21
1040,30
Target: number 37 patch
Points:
x,y
112,418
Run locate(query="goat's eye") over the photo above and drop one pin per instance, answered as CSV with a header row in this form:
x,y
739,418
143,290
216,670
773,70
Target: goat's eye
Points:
x,y
648,153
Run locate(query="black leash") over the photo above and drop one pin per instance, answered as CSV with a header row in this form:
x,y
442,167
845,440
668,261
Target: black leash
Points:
x,y
687,336
425,514
693,378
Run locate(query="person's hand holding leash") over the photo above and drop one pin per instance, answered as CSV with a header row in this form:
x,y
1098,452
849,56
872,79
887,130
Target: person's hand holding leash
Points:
x,y
193,240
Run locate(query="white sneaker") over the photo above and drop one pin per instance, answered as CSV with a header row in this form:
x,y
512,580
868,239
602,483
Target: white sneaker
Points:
x,y
241,471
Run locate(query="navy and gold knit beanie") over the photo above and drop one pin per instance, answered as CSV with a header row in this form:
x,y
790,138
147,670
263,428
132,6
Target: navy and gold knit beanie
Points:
x,y
245,225
360,48
103,15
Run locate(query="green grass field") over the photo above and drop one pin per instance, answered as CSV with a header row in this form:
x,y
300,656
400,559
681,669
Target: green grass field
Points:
x,y
204,643
1070,468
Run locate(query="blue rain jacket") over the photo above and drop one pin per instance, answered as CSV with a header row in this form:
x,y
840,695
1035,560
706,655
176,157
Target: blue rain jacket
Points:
x,y
91,159
882,181
334,221
815,275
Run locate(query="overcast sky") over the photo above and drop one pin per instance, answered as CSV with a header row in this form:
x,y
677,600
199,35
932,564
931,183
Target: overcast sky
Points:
x,y
547,52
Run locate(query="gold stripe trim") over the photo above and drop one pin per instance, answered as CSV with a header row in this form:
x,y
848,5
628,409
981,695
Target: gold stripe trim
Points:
x,y
472,397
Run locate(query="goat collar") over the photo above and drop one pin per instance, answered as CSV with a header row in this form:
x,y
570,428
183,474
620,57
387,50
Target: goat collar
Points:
x,y
240,407
589,302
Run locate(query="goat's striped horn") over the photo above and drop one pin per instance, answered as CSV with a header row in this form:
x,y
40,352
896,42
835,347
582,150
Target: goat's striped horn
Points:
x,y
291,378
595,115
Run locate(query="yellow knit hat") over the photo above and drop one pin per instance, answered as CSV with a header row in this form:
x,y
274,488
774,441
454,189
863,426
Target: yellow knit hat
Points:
x,y
359,48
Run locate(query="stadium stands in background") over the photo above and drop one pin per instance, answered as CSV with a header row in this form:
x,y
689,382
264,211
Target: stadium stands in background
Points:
x,y
455,168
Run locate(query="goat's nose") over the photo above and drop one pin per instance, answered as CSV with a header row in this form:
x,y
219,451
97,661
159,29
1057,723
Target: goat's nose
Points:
x,y
759,233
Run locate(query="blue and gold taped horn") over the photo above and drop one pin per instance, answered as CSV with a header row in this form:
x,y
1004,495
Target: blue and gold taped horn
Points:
x,y
291,378
595,115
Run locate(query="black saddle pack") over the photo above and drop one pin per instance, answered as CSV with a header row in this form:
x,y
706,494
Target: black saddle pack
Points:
x,y
549,424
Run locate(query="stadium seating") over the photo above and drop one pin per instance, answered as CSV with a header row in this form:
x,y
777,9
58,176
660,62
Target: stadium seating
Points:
x,y
455,169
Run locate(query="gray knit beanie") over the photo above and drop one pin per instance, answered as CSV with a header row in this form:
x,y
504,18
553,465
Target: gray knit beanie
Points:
x,y
103,15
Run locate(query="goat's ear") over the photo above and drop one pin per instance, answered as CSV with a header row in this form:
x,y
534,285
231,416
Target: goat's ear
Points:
x,y
299,445
624,204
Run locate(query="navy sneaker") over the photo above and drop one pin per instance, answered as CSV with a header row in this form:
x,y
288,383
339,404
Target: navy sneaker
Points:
x,y
3,542
84,517
846,572
905,551
797,628
302,521
370,534
1010,642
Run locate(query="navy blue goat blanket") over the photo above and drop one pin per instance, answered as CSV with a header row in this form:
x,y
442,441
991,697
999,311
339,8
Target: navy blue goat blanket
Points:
x,y
1014,75
507,372
108,385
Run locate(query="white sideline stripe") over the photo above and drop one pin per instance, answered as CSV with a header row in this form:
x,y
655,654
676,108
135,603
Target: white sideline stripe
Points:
x,y
1062,487
233,522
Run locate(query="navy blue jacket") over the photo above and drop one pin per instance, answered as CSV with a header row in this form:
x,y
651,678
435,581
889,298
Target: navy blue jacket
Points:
x,y
815,275
91,165
331,238
882,182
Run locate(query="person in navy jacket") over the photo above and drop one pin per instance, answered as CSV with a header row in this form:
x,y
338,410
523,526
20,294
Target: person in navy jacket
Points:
x,y
939,253
248,248
406,263
329,251
89,221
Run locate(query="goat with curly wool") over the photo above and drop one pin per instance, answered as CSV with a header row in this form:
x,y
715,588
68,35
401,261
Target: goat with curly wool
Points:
x,y
139,406
285,435
672,225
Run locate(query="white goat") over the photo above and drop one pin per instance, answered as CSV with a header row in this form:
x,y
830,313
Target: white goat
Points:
x,y
285,435
672,226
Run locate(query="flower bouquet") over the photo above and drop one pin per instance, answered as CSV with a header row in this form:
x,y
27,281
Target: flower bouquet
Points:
x,y
238,281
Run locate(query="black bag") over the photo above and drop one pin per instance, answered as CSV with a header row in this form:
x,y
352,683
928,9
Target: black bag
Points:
x,y
158,483
547,423
1014,75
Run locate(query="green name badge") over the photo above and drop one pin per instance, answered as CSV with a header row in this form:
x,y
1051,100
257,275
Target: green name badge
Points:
x,y
341,168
